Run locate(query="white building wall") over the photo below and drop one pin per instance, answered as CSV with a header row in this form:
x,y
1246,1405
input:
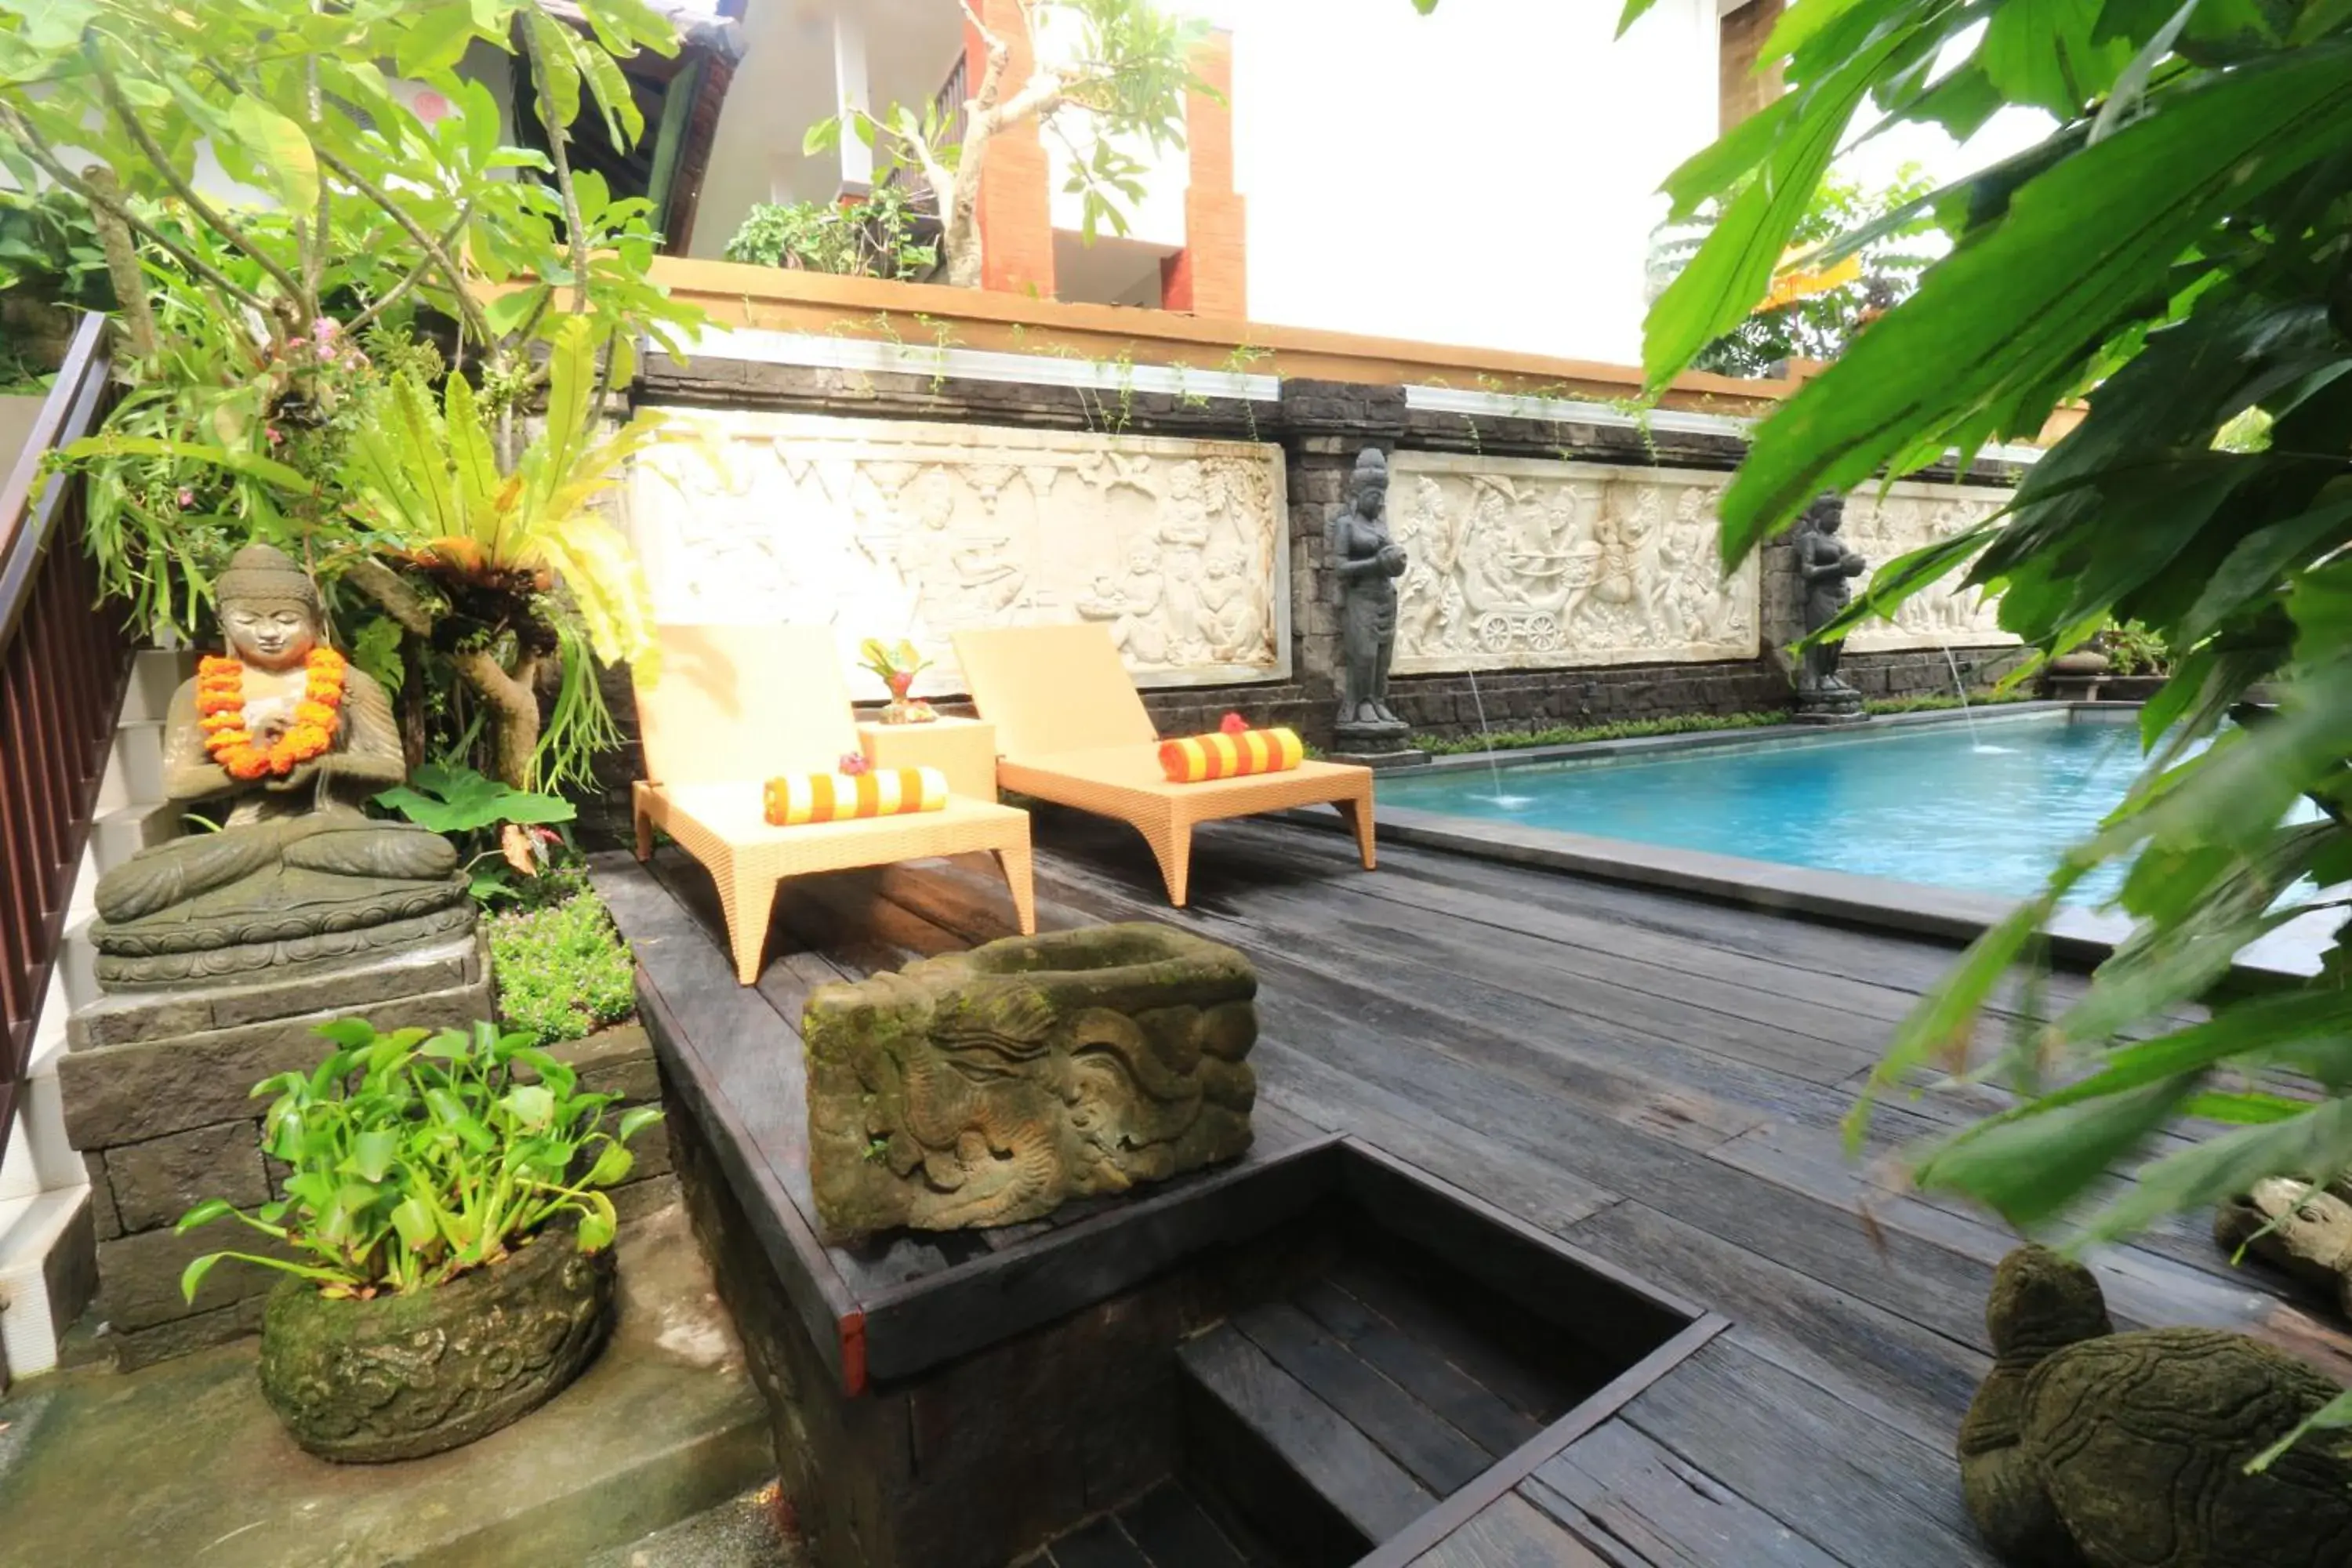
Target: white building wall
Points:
x,y
1485,175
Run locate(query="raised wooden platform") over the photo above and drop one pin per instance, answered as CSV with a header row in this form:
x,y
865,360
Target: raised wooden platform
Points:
x,y
1655,1080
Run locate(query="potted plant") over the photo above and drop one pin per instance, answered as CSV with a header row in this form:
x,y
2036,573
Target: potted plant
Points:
x,y
445,1232
897,668
2138,662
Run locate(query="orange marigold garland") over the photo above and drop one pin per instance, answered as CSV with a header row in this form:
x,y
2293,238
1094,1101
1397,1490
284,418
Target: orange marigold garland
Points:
x,y
220,713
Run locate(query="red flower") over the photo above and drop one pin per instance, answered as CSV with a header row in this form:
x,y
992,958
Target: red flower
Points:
x,y
855,763
1233,724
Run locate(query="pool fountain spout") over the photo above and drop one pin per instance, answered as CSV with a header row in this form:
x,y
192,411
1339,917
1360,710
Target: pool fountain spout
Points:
x,y
1493,767
1968,714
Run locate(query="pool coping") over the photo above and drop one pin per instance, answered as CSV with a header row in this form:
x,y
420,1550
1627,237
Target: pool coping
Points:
x,y
2077,938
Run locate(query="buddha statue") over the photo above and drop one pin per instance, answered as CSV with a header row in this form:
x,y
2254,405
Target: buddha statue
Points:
x,y
279,743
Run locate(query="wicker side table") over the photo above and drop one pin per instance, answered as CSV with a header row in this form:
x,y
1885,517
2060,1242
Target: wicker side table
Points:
x,y
962,749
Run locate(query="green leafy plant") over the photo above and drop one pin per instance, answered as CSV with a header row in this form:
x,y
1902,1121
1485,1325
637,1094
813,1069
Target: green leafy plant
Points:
x,y
415,1157
2180,250
879,236
563,972
504,832
2133,649
1109,73
1824,306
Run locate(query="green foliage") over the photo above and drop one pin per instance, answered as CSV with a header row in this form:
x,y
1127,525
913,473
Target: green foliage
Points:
x,y
1816,327
2180,251
49,250
414,1157
1110,74
878,237
258,416
563,972
2133,649
460,800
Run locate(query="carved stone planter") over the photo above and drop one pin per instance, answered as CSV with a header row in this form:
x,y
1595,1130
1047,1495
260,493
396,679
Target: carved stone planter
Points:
x,y
403,1376
990,1086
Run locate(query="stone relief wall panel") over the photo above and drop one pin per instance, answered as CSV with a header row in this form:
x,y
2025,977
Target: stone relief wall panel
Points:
x,y
1912,514
1525,563
891,528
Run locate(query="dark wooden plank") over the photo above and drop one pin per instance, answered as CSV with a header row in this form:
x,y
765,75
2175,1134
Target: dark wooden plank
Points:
x,y
1906,1376
1343,1466
1173,1533
992,1295
1417,1366
1534,1394
1664,1509
1864,1491
1102,1544
1510,1534
1408,1431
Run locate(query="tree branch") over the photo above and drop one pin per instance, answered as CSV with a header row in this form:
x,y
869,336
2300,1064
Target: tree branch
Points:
x,y
425,264
403,603
123,266
558,135
297,300
39,149
467,306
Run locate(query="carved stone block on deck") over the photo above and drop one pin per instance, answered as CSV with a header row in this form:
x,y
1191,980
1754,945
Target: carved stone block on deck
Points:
x,y
990,1086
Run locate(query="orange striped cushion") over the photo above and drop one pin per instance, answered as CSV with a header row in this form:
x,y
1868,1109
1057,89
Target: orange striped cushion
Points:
x,y
1196,758
837,798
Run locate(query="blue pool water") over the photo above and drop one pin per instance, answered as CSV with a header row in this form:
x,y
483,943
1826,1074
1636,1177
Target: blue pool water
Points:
x,y
1990,812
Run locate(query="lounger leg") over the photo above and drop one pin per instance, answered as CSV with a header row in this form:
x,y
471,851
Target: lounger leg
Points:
x,y
1172,846
643,819
1357,812
751,902
1016,861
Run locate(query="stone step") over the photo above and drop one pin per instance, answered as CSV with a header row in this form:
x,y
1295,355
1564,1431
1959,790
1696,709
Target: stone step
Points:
x,y
119,833
155,674
665,1426
134,766
56,1163
78,965
47,1274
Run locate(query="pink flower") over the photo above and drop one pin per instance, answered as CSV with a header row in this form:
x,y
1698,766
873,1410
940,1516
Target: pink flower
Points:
x,y
855,763
325,330
277,437
187,497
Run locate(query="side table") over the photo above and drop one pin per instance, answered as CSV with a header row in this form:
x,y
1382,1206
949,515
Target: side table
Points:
x,y
962,749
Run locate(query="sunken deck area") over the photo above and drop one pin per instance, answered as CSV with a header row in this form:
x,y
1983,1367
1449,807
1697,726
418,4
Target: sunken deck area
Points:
x,y
1673,1326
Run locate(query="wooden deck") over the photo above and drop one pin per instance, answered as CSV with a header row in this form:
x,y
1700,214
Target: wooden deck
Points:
x,y
1655,1080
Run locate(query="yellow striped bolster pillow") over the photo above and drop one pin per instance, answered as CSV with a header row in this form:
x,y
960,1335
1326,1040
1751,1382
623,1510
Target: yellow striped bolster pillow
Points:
x,y
1196,758
837,798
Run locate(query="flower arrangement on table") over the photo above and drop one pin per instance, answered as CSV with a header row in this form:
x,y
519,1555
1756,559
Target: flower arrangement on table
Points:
x,y
277,751
897,668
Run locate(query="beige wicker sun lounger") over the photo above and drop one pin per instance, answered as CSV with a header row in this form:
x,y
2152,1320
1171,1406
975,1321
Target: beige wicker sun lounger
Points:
x,y
1071,729
736,706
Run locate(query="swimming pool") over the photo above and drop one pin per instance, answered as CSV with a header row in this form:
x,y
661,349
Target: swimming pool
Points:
x,y
1985,810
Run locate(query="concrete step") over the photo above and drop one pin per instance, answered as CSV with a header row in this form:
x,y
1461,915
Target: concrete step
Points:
x,y
78,964
47,1274
741,1533
56,1164
134,766
156,675
119,833
665,1426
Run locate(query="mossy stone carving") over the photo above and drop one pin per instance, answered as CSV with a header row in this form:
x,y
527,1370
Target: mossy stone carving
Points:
x,y
2302,1229
401,1377
990,1086
2089,1448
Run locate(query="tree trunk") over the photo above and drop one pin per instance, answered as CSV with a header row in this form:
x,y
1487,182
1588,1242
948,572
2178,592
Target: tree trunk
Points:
x,y
121,265
514,702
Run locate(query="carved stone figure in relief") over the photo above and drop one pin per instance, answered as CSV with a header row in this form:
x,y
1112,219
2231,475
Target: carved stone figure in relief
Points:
x,y
1183,536
1228,609
1825,570
1367,562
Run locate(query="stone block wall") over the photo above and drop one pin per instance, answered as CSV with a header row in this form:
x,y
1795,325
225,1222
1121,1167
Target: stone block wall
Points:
x,y
175,1128
1322,426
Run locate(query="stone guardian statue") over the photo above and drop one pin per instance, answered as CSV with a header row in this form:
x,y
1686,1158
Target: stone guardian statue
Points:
x,y
1367,560
1826,566
275,746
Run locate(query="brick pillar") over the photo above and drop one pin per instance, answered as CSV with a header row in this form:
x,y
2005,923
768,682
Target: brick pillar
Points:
x,y
1325,423
1741,33
1210,277
1016,193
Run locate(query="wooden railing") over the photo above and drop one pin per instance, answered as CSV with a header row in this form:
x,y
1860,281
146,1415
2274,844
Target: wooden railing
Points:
x,y
64,659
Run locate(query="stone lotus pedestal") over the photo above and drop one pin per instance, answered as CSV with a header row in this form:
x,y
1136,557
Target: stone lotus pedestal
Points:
x,y
989,1087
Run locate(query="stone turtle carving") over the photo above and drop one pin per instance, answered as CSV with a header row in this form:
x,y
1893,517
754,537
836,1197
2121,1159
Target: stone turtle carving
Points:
x,y
990,1086
2295,1226
2086,1446
398,1377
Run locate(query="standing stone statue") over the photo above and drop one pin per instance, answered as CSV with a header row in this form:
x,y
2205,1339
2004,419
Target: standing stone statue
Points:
x,y
1825,567
1367,560
279,742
